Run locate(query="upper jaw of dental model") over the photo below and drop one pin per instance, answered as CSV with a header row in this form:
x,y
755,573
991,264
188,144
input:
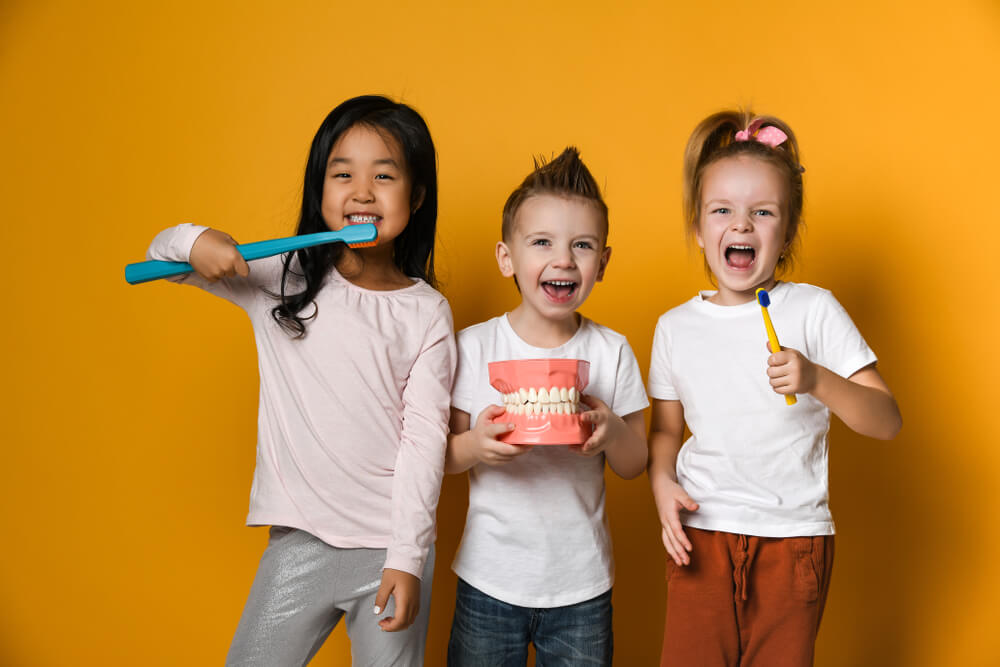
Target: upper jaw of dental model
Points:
x,y
542,401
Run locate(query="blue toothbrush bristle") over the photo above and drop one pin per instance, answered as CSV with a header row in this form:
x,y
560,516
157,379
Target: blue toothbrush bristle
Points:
x,y
762,298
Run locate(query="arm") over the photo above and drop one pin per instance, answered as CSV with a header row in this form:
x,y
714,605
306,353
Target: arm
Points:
x,y
468,447
622,439
213,256
862,401
665,439
419,468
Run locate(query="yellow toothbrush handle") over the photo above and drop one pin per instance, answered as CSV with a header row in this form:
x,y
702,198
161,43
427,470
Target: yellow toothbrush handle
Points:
x,y
775,347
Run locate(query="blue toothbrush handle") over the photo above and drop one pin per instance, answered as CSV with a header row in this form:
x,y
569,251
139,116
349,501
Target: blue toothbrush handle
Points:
x,y
142,272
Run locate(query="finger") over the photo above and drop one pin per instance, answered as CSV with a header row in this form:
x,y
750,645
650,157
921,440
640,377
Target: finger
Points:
x,y
592,401
382,597
242,268
494,430
492,411
688,503
678,533
673,549
400,619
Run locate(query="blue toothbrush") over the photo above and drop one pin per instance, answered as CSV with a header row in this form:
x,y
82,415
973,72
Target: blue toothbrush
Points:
x,y
356,236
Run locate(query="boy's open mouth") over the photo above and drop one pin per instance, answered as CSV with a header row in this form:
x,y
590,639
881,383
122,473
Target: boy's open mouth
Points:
x,y
740,256
559,290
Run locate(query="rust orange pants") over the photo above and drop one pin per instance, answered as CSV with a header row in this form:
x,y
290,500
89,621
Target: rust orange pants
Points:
x,y
746,601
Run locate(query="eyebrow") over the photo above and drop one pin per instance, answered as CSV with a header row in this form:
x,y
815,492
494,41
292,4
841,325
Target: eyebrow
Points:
x,y
343,160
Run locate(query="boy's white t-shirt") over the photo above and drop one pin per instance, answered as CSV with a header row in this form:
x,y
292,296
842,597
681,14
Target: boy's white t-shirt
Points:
x,y
536,534
755,465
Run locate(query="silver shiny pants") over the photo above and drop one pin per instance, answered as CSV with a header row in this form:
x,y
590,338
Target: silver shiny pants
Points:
x,y
304,587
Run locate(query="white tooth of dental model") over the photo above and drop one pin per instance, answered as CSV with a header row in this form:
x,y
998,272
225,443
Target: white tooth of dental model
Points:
x,y
572,394
543,395
563,394
532,395
522,394
554,395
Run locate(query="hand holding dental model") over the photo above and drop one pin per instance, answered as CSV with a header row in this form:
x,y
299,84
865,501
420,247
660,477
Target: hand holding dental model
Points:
x,y
608,427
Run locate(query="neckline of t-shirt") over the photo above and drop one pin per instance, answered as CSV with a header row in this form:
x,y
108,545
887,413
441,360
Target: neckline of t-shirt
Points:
x,y
777,294
339,277
545,351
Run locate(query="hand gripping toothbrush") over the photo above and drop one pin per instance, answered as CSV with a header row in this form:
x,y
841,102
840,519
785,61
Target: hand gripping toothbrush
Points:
x,y
764,300
356,236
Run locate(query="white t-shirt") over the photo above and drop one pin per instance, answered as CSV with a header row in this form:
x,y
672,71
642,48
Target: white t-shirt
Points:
x,y
536,534
755,465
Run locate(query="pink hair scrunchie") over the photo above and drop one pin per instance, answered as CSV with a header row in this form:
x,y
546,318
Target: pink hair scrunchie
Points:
x,y
769,136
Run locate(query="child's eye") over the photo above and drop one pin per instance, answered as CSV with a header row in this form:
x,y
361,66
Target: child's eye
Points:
x,y
541,242
763,211
341,174
586,245
383,177
722,210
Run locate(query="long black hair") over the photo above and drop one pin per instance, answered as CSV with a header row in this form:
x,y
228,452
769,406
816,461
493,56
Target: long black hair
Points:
x,y
413,249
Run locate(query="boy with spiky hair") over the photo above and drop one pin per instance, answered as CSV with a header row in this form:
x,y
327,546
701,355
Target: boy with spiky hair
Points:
x,y
535,564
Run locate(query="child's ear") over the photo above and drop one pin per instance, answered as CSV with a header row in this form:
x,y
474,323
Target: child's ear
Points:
x,y
504,260
417,199
605,258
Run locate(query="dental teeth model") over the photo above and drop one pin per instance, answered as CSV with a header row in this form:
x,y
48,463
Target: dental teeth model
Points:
x,y
555,400
542,399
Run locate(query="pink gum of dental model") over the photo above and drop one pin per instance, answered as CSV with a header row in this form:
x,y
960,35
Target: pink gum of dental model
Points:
x,y
509,377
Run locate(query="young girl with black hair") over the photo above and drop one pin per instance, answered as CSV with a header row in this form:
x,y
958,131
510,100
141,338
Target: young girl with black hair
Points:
x,y
743,504
356,356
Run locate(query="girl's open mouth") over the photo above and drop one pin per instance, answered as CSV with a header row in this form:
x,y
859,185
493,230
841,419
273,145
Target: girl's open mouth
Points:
x,y
740,256
559,291
362,218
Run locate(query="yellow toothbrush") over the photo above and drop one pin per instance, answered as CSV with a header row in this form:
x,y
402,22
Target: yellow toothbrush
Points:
x,y
764,300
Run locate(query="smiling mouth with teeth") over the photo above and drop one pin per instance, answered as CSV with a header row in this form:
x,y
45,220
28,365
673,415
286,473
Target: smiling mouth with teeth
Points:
x,y
362,219
559,290
740,256
541,397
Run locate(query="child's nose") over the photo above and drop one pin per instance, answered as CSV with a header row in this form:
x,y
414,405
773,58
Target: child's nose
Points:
x,y
363,194
742,223
564,259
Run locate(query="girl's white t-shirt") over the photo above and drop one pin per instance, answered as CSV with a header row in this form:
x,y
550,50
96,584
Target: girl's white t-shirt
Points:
x,y
536,534
755,465
353,417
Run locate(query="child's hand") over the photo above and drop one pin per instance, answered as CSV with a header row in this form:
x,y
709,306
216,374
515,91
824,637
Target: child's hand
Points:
x,y
214,256
484,443
405,590
670,501
791,372
608,427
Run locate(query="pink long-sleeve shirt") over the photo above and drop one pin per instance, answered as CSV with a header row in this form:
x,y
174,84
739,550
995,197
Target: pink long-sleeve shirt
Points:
x,y
353,419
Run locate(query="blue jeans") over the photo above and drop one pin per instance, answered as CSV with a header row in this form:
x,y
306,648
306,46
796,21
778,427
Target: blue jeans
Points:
x,y
489,633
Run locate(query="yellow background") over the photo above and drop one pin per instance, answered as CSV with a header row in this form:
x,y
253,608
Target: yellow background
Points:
x,y
129,412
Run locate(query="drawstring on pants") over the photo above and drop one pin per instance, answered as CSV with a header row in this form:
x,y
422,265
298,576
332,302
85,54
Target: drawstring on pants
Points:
x,y
741,566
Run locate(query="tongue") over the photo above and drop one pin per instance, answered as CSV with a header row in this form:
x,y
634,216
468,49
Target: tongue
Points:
x,y
739,259
557,291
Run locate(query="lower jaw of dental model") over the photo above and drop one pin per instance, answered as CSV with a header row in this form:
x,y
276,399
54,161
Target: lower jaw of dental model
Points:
x,y
541,397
